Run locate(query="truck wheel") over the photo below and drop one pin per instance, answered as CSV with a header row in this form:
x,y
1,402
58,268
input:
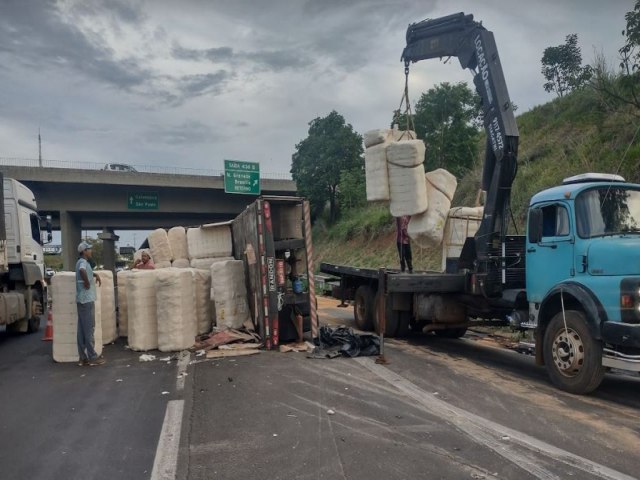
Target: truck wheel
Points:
x,y
573,358
404,319
451,332
364,308
391,320
33,324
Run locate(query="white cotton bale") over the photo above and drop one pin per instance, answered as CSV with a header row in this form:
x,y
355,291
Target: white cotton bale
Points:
x,y
407,190
427,228
408,153
181,263
176,310
205,263
142,310
444,181
123,308
376,172
107,306
161,265
65,319
376,137
229,293
209,242
159,246
462,222
178,242
202,280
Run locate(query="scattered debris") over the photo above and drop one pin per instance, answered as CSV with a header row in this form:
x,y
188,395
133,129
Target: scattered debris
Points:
x,y
118,380
297,347
331,412
146,357
231,353
505,437
165,393
224,337
239,346
337,341
183,374
200,353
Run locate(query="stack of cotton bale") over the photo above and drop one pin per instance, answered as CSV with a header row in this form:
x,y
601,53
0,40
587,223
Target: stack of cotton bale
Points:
x,y
208,244
228,291
107,300
142,311
176,309
407,186
427,228
123,308
160,249
462,223
178,242
204,314
375,163
65,319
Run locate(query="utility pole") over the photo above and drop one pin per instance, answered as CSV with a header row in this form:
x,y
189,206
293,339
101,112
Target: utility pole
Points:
x,y
39,149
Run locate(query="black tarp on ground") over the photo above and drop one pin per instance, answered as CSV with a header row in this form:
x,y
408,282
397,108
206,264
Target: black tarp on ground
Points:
x,y
336,341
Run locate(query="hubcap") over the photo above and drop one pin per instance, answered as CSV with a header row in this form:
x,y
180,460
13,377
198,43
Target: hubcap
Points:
x,y
568,352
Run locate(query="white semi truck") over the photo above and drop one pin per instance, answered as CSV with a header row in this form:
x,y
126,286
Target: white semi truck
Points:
x,y
23,291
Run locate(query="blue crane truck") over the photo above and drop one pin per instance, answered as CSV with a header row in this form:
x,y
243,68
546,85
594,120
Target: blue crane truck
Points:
x,y
574,278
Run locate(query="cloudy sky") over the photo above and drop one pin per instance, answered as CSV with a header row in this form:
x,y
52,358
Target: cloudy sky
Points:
x,y
190,83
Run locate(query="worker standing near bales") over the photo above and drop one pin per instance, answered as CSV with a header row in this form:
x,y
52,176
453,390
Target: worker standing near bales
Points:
x,y
404,244
85,300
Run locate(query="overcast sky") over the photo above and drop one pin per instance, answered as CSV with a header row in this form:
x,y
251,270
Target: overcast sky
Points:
x,y
190,83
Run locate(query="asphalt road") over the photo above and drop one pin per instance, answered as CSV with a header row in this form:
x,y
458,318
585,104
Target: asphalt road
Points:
x,y
440,409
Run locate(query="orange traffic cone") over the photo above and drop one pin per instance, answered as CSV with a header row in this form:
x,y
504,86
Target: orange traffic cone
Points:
x,y
48,332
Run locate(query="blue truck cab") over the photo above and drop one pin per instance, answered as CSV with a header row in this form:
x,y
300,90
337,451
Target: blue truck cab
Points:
x,y
583,278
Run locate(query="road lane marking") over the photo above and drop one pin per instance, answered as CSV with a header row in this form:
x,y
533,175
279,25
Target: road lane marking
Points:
x,y
490,433
166,462
183,363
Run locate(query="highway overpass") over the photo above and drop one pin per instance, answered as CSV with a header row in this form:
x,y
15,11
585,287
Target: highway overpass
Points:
x,y
79,199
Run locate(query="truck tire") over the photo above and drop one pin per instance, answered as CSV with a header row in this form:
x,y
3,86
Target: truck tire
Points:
x,y
33,324
364,308
573,358
451,332
391,320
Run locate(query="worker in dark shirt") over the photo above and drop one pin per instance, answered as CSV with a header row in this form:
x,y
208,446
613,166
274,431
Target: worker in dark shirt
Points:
x,y
404,245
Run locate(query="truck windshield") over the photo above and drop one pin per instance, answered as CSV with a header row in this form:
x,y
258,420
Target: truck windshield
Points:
x,y
607,211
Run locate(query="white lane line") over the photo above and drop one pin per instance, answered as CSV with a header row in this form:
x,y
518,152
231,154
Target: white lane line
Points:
x,y
491,433
183,363
166,462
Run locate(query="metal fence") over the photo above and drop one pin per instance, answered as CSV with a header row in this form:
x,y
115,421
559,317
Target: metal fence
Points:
x,y
35,163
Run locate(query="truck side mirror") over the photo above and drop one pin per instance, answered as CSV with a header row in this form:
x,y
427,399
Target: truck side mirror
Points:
x,y
535,225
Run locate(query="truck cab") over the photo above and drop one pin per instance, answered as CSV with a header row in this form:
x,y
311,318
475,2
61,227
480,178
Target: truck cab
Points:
x,y
23,296
583,278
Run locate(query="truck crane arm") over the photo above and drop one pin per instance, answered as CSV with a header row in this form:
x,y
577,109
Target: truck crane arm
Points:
x,y
460,36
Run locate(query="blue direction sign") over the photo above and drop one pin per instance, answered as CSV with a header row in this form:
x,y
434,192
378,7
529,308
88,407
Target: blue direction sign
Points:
x,y
242,177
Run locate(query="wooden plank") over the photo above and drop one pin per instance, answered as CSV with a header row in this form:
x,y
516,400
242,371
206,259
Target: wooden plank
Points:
x,y
231,353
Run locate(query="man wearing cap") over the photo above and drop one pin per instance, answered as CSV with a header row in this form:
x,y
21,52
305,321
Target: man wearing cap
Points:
x,y
85,299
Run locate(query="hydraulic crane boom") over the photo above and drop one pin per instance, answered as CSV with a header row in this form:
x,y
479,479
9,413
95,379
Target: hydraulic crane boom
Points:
x,y
460,36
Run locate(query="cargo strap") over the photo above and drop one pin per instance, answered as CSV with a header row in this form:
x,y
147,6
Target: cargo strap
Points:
x,y
408,114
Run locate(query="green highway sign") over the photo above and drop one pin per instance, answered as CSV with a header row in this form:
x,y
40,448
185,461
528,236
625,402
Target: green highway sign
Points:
x,y
242,177
142,201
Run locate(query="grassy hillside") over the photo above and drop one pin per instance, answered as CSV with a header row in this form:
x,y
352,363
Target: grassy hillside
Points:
x,y
564,137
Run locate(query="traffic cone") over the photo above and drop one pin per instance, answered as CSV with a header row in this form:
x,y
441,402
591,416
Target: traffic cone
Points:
x,y
48,332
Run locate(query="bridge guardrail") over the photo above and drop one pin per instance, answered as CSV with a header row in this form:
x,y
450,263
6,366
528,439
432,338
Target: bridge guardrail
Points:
x,y
46,163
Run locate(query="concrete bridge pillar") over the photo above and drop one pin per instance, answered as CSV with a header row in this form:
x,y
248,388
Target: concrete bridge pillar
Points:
x,y
109,239
71,234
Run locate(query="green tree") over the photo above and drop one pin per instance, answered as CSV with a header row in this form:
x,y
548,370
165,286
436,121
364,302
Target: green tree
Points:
x,y
96,250
352,188
447,117
562,67
331,147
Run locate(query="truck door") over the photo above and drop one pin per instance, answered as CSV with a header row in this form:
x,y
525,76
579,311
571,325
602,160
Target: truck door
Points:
x,y
550,261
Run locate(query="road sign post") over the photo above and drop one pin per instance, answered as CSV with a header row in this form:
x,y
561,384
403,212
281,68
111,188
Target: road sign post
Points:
x,y
242,177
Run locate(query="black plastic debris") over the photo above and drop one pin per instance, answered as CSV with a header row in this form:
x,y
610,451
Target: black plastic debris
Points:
x,y
342,341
